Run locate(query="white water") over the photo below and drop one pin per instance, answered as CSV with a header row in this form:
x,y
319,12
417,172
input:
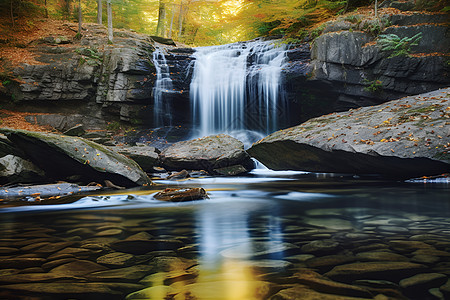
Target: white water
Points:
x,y
228,93
161,113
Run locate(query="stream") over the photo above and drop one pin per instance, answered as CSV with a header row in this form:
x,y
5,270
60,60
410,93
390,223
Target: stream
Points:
x,y
268,233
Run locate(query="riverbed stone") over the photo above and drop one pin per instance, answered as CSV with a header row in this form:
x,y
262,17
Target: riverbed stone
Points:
x,y
207,153
145,246
38,277
57,262
257,249
78,267
328,261
324,285
116,259
329,223
422,282
77,290
21,263
380,256
128,274
154,292
302,292
321,247
374,270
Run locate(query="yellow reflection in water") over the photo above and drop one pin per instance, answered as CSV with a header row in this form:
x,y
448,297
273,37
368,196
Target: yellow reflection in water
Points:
x,y
233,280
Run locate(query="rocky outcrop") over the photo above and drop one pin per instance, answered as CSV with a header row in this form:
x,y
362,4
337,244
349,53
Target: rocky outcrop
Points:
x,y
348,56
403,138
76,159
208,153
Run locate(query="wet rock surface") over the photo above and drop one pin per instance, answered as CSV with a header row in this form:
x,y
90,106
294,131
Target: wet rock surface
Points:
x,y
208,153
408,138
77,157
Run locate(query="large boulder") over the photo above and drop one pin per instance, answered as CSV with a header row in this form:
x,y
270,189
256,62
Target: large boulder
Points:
x,y
145,156
207,153
64,157
404,138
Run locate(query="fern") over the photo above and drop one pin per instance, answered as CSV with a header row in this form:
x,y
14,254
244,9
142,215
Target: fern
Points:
x,y
398,46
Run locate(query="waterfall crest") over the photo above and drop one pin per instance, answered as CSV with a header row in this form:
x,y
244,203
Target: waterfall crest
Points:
x,y
236,87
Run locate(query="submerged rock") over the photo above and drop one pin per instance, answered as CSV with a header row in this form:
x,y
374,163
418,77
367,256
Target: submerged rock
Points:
x,y
62,157
207,153
405,138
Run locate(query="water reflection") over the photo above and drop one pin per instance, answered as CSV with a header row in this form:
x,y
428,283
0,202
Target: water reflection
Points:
x,y
251,240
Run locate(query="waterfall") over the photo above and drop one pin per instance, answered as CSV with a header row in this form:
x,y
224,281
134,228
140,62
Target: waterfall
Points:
x,y
163,85
237,87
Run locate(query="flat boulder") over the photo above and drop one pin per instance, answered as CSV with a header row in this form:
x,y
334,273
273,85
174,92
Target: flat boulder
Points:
x,y
207,153
404,138
65,158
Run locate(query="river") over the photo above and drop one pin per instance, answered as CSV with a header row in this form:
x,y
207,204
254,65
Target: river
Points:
x,y
268,233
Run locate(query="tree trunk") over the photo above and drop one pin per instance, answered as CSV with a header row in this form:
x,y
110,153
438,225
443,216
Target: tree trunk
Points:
x,y
110,24
99,12
171,21
46,9
160,28
12,14
180,20
80,18
376,8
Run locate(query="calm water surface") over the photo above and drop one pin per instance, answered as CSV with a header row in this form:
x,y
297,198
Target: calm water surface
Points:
x,y
279,235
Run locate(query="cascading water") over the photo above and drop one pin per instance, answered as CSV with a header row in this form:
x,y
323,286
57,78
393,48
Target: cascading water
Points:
x,y
237,87
163,85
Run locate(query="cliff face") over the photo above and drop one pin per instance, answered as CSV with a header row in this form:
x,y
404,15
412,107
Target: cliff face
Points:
x,y
348,55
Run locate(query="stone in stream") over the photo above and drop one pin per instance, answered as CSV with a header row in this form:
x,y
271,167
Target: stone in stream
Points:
x,y
145,246
75,290
445,289
54,263
329,223
21,263
374,270
154,292
420,283
304,293
207,153
324,285
380,256
38,277
8,250
75,156
128,274
392,139
321,247
78,267
116,259
181,194
325,263
258,249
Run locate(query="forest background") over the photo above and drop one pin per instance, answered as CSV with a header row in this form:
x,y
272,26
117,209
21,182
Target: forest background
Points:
x,y
195,22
